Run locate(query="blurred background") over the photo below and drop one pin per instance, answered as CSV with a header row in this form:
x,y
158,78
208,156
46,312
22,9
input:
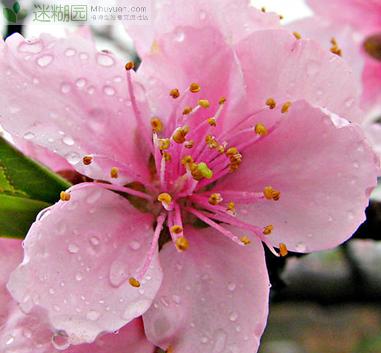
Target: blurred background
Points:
x,y
329,302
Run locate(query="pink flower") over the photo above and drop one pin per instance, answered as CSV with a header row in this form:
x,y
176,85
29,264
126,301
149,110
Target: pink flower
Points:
x,y
246,137
20,333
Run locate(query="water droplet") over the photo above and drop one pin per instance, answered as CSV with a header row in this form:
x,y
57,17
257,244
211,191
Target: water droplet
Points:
x,y
220,341
231,286
44,60
81,82
117,79
29,135
83,56
93,315
73,157
65,88
27,333
179,36
60,340
104,59
233,316
78,277
94,241
108,90
31,46
176,299
134,245
70,52
349,102
10,339
73,248
68,140
51,291
204,339
90,90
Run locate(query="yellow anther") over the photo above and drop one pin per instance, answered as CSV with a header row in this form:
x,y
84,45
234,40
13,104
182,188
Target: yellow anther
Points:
x,y
335,49
245,240
285,107
221,149
204,103
270,102
260,129
212,121
114,172
129,66
167,156
189,144
268,229
204,170
134,282
182,243
157,125
271,194
170,349
64,196
211,141
174,93
231,151
263,9
231,207
186,160
215,199
165,198
87,160
222,100
297,35
164,144
176,229
180,134
283,251
194,87
187,110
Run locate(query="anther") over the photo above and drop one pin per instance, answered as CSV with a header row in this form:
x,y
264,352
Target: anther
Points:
x,y
174,93
187,110
189,144
245,240
335,47
167,156
222,100
285,107
283,251
180,134
129,66
204,103
87,160
263,9
186,160
182,243
114,172
64,196
271,194
194,87
164,144
176,229
204,170
165,198
215,199
268,229
211,141
157,125
170,349
231,151
134,282
297,35
231,208
260,129
212,122
270,102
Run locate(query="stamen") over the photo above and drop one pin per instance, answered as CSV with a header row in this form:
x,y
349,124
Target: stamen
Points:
x,y
65,196
180,134
176,229
297,35
212,122
174,93
231,208
283,251
215,199
87,160
335,47
166,200
271,194
204,170
245,240
129,66
204,103
167,156
268,229
170,349
194,87
114,172
157,125
222,100
260,129
189,144
270,102
285,107
187,110
182,243
187,160
134,282
164,144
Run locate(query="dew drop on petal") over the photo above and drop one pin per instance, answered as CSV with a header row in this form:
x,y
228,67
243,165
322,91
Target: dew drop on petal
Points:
x,y
179,36
73,157
108,90
81,82
204,339
44,60
68,140
29,135
73,248
93,315
233,316
60,340
104,59
134,245
83,56
70,52
94,241
78,277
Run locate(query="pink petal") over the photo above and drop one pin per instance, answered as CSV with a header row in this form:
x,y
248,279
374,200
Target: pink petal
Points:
x,y
80,102
214,296
291,69
324,172
234,19
78,258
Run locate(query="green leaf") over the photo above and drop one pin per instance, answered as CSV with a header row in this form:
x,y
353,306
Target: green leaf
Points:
x,y
16,7
17,214
26,187
9,15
